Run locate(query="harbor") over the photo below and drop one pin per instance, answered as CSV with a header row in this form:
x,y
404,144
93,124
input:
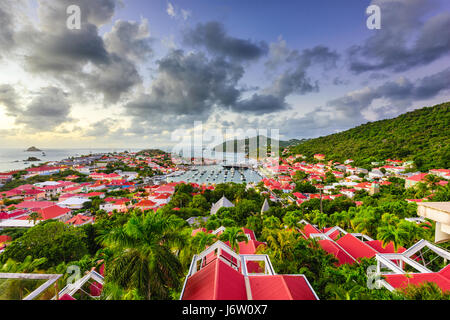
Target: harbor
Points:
x,y
215,174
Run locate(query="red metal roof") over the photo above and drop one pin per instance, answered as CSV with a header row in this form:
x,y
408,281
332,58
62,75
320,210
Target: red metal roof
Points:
x,y
280,287
217,281
402,280
330,247
378,245
355,247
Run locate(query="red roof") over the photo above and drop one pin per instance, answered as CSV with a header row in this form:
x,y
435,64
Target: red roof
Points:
x,y
78,220
308,229
355,247
250,233
331,247
378,245
146,203
5,239
402,280
49,213
194,232
280,287
216,281
417,177
33,205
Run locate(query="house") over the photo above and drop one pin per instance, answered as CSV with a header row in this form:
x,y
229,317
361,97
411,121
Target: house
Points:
x,y
5,177
443,173
440,213
53,212
399,267
348,248
79,220
222,203
146,205
160,198
319,156
223,275
413,180
348,192
111,204
376,174
194,220
73,203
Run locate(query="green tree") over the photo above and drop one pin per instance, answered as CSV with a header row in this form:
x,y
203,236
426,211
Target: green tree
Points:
x,y
233,235
145,257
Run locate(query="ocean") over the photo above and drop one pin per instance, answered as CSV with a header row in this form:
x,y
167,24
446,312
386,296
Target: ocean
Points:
x,y
12,158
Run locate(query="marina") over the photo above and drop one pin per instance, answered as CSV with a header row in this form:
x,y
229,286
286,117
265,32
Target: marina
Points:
x,y
215,174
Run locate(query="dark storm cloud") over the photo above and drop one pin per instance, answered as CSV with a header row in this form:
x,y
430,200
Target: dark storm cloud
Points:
x,y
9,98
6,29
129,39
188,85
46,111
65,51
213,37
404,40
295,80
114,79
260,104
83,59
400,92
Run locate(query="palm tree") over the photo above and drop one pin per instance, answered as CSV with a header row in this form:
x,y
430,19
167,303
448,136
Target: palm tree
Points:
x,y
282,243
321,219
432,181
234,235
34,216
390,233
291,221
145,257
272,222
203,240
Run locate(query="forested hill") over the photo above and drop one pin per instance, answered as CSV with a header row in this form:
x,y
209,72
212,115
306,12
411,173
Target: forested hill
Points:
x,y
243,145
422,135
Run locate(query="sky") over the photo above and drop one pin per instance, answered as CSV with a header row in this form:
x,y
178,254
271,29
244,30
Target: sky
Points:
x,y
139,70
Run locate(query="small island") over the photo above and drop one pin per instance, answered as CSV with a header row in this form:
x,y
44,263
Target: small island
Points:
x,y
32,159
33,149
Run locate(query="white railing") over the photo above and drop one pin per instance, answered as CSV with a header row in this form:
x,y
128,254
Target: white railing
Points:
x,y
71,289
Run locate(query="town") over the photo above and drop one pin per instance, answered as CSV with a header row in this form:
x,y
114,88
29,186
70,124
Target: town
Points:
x,y
310,214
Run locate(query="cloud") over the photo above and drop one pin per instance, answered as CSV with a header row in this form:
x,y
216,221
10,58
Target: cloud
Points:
x,y
408,38
83,60
6,31
213,37
46,111
170,10
261,104
186,14
9,98
129,39
188,85
399,94
173,12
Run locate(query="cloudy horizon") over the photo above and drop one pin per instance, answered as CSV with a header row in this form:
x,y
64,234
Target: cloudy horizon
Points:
x,y
138,70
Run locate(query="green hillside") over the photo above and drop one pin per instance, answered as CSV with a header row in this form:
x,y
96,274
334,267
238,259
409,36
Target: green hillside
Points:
x,y
242,146
422,135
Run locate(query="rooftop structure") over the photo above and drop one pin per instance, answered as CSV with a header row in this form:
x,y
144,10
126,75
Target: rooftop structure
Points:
x,y
416,265
218,273
222,203
440,213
